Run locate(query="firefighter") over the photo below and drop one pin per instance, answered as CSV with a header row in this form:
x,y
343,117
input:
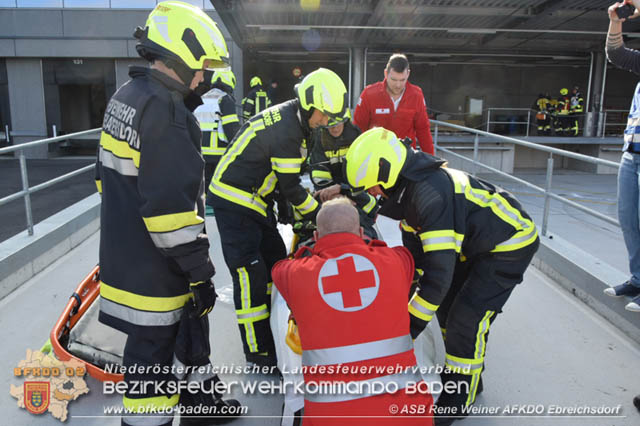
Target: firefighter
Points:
x,y
576,110
543,118
472,239
218,120
329,145
154,251
256,100
336,291
563,123
264,155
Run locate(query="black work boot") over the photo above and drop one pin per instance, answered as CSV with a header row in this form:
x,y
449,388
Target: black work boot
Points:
x,y
204,408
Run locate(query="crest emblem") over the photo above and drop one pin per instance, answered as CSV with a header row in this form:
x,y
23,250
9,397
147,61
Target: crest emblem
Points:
x,y
36,396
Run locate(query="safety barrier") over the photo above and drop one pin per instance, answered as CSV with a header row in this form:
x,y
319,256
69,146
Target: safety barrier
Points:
x,y
26,189
548,195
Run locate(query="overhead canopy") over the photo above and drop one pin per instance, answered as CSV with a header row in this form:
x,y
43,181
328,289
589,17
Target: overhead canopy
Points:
x,y
436,31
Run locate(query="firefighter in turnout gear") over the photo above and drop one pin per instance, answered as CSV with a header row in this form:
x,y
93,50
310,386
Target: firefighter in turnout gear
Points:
x,y
577,111
218,119
328,149
256,100
543,118
154,250
472,239
266,155
563,123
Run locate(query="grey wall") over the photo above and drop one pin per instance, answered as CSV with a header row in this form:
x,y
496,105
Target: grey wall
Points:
x,y
5,115
26,100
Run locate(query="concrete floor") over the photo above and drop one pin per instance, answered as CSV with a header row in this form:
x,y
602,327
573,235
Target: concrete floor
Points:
x,y
546,349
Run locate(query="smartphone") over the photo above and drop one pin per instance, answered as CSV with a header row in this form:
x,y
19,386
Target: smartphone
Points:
x,y
625,11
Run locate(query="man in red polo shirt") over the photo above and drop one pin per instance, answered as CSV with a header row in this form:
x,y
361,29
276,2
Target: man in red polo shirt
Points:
x,y
349,299
396,105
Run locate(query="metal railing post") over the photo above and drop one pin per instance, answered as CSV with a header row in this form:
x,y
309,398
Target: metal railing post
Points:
x,y
528,122
475,154
604,124
435,139
27,195
488,120
55,131
6,134
547,200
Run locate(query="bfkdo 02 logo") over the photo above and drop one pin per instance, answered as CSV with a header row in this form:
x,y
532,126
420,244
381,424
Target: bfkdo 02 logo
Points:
x,y
37,396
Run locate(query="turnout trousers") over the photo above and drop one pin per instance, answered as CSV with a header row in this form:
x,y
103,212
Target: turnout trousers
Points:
x,y
479,290
251,247
150,359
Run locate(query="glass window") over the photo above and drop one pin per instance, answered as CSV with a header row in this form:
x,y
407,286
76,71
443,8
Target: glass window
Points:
x,y
133,4
87,3
39,3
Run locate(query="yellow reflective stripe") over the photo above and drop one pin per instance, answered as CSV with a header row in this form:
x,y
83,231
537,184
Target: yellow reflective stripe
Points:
x,y
239,196
172,221
460,179
269,287
238,147
119,148
307,206
213,151
519,240
465,366
151,404
286,165
405,226
143,303
483,329
342,152
268,185
444,333
370,205
473,388
231,118
249,101
420,308
446,239
245,294
251,315
321,174
99,185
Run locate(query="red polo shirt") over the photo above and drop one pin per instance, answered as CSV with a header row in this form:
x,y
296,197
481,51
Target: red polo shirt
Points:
x,y
375,109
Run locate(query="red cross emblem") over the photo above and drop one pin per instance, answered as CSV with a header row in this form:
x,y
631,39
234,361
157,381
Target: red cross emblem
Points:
x,y
348,283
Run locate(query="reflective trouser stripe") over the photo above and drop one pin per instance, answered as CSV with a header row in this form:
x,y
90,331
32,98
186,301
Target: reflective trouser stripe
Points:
x,y
357,352
420,308
269,287
367,386
99,185
481,344
446,239
519,240
251,315
139,317
465,366
245,300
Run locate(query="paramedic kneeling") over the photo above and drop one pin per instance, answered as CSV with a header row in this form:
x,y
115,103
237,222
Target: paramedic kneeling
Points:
x,y
349,299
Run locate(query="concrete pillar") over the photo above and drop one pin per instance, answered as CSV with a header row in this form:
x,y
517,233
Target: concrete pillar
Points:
x,y
357,68
237,68
26,101
591,123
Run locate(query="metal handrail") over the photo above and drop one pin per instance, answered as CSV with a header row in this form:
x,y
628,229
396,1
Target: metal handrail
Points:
x,y
26,190
548,195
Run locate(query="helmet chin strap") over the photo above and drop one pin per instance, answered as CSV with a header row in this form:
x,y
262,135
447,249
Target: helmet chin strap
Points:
x,y
185,73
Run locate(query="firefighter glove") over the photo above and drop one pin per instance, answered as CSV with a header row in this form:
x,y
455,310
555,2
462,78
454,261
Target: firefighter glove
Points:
x,y
204,297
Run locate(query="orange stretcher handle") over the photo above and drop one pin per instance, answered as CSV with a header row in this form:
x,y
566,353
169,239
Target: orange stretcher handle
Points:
x,y
88,291
293,338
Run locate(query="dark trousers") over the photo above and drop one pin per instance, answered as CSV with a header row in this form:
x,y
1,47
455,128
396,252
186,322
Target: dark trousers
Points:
x,y
209,168
480,288
251,247
165,356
